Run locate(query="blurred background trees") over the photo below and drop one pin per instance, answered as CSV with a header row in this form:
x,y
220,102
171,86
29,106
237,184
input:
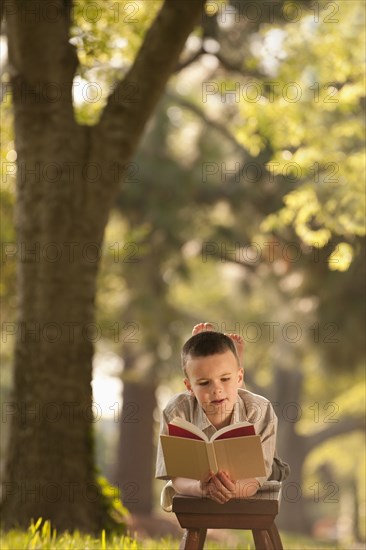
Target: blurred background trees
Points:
x,y
244,206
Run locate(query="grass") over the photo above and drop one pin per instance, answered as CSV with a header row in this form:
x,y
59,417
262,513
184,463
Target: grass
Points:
x,y
41,537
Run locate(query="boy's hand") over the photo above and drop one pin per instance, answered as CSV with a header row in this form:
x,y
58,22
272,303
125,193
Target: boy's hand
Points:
x,y
219,487
203,327
239,344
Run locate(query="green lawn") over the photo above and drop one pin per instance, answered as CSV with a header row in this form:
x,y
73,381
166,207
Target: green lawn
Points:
x,y
42,537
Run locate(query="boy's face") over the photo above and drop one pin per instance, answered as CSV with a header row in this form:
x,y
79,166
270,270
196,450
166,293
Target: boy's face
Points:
x,y
214,380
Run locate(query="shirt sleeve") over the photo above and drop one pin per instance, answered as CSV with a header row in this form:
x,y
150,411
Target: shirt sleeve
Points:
x,y
166,498
160,471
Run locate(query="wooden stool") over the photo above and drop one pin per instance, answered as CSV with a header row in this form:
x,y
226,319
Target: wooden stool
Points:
x,y
256,513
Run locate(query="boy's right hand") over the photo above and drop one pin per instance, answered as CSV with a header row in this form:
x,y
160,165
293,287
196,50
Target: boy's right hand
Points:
x,y
239,344
219,487
203,327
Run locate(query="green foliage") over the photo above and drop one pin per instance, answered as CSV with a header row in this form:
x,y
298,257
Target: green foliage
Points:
x,y
107,36
317,130
306,107
115,511
43,537
109,33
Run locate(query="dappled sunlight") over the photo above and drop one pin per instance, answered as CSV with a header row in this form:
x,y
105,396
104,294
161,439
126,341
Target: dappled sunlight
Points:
x,y
221,182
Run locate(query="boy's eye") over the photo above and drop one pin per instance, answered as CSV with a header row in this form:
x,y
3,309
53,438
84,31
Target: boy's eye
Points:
x,y
203,383
224,379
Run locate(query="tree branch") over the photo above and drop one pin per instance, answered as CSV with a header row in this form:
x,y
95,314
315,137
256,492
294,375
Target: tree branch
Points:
x,y
344,426
238,68
134,98
183,64
212,123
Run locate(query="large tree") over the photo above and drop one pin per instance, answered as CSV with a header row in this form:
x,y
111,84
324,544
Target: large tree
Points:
x,y
68,175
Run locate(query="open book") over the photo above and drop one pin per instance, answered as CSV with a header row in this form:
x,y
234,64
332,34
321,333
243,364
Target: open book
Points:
x,y
234,449
182,428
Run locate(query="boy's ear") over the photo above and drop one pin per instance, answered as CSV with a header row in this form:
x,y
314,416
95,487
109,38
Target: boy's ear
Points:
x,y
187,384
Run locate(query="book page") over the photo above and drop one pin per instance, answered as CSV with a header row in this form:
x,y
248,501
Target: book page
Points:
x,y
185,457
241,457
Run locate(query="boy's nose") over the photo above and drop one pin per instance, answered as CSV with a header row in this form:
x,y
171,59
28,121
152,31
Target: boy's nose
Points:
x,y
217,388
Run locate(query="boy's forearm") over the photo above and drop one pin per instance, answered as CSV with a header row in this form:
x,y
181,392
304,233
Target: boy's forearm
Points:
x,y
186,486
245,488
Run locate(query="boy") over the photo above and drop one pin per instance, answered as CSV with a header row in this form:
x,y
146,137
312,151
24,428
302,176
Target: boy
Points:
x,y
214,399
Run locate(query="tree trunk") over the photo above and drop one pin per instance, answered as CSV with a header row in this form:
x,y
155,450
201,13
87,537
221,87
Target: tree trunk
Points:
x,y
286,399
61,212
136,448
293,504
135,467
50,471
294,448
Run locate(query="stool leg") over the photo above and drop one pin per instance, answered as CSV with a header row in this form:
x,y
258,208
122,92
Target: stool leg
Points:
x,y
193,539
275,537
262,540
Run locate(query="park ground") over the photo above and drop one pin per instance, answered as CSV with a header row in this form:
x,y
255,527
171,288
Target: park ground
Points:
x,y
160,532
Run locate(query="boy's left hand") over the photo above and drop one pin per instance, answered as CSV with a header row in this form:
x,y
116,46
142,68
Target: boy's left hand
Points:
x,y
228,485
221,487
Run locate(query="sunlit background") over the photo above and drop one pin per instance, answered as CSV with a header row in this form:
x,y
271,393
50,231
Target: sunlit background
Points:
x,y
244,206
